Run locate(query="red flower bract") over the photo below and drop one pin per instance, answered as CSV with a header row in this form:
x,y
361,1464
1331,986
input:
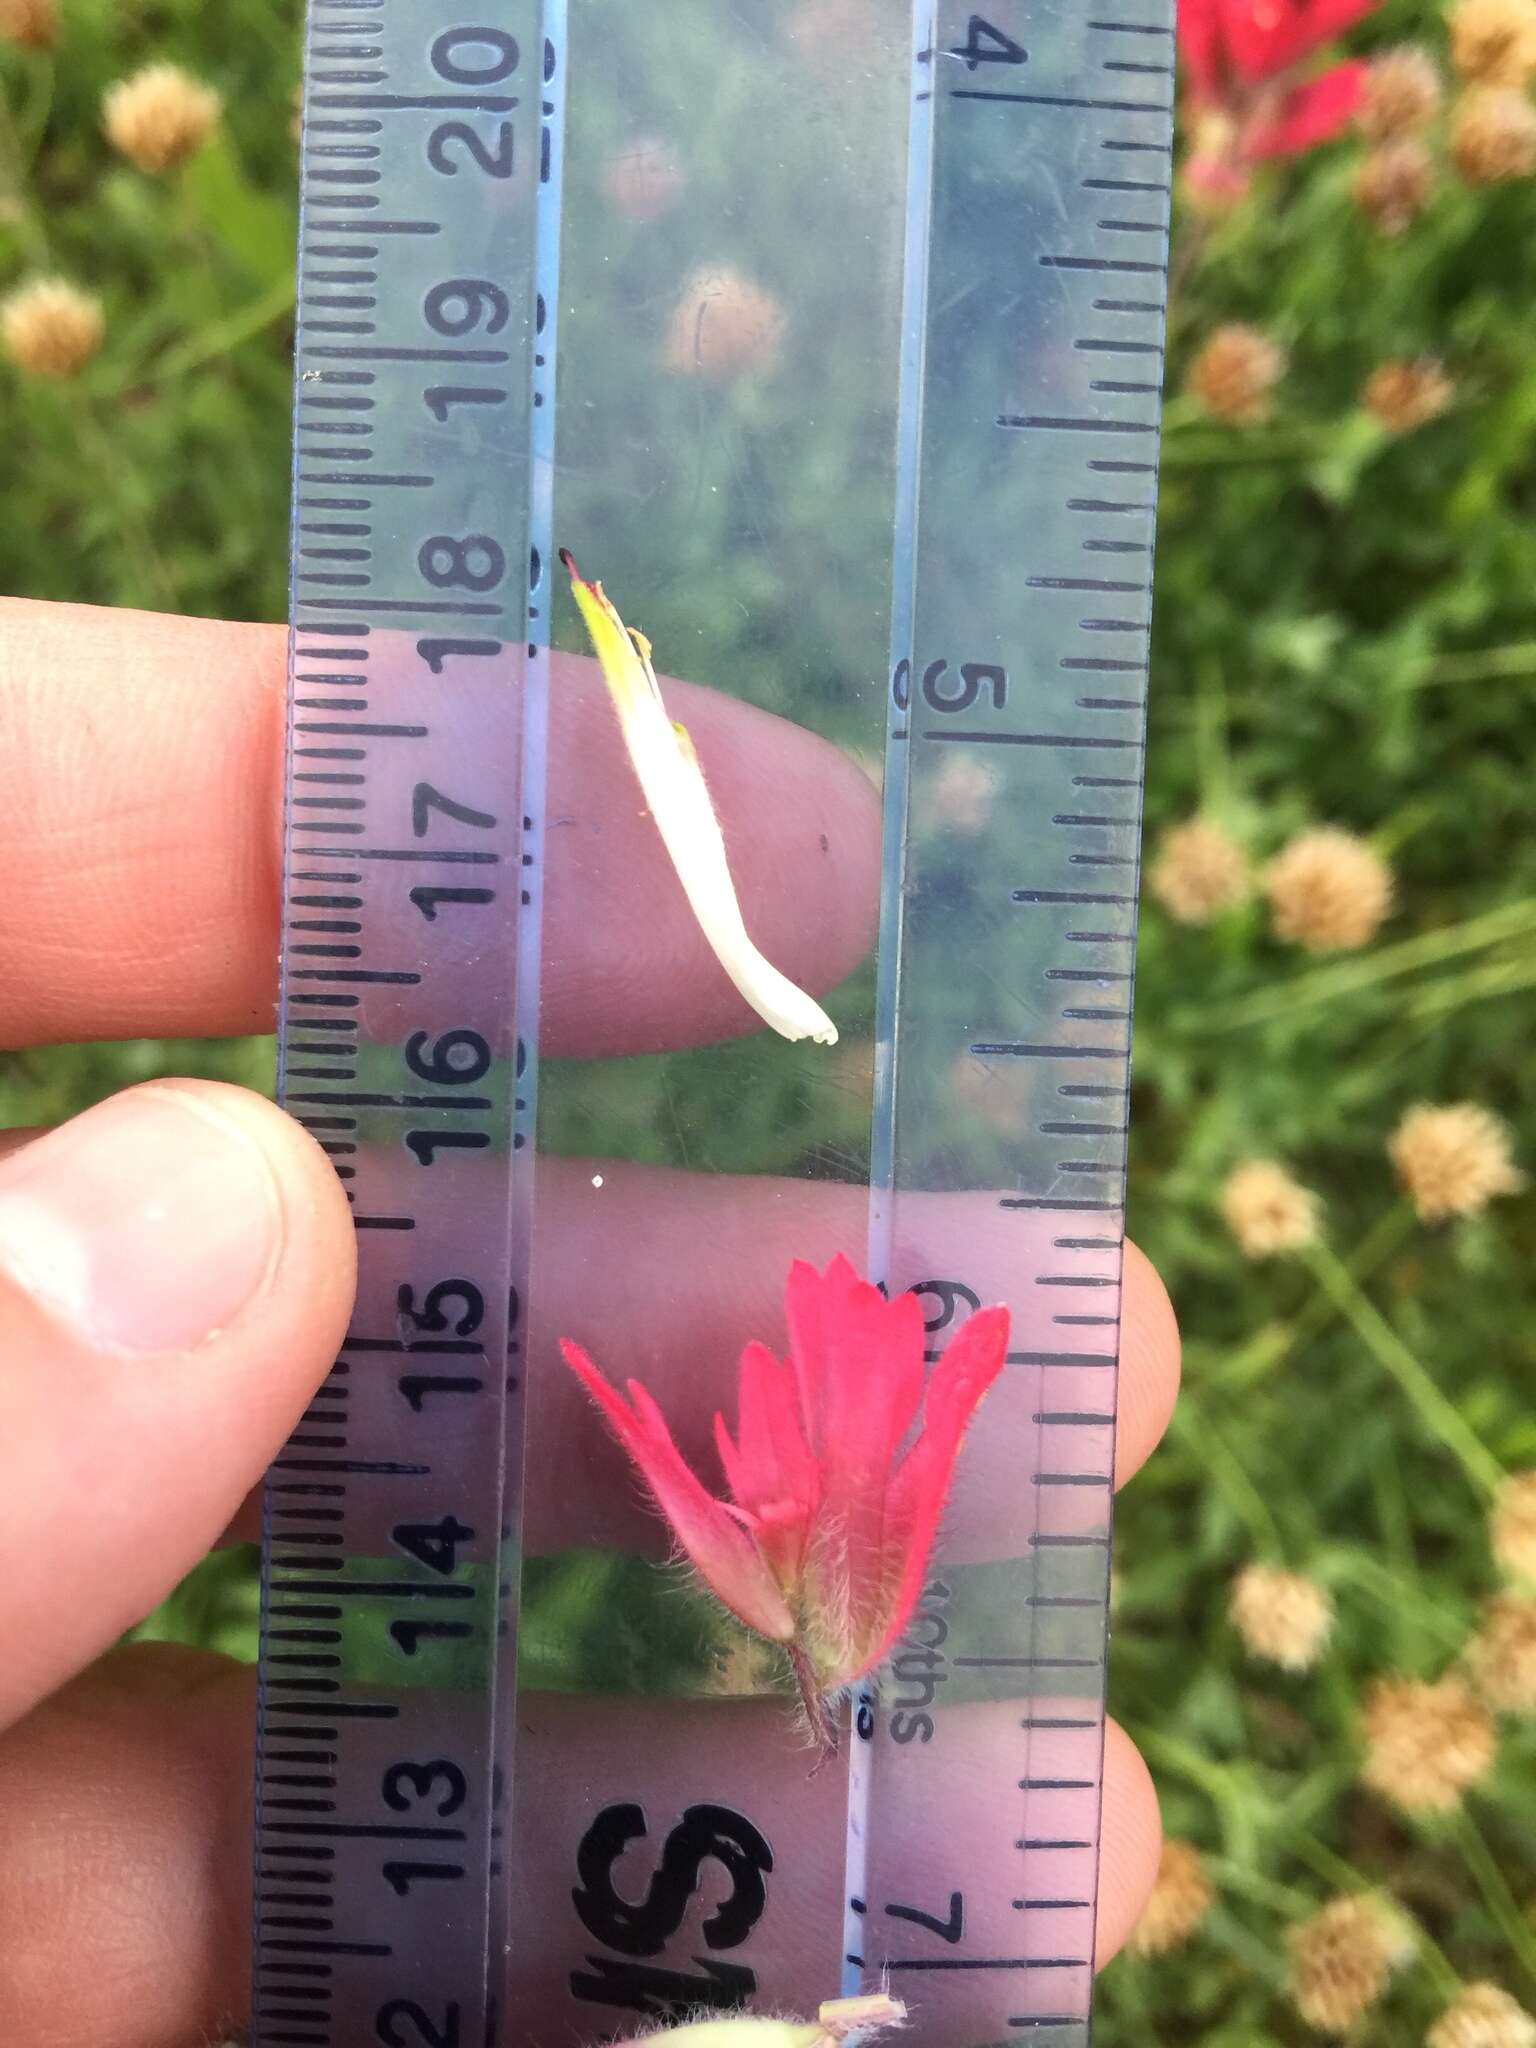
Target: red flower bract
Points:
x,y
825,1540
1242,60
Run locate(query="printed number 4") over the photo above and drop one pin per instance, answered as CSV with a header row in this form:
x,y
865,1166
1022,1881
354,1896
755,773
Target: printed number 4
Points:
x,y
985,44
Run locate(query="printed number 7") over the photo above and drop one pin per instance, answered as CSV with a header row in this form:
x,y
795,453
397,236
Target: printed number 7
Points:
x,y
947,1930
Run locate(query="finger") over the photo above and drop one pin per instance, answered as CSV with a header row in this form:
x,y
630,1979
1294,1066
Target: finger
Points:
x,y
608,1274
144,1763
1131,1844
176,1271
611,1277
140,808
125,1879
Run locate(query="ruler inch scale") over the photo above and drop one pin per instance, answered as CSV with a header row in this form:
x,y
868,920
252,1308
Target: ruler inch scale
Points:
x,y
412,1806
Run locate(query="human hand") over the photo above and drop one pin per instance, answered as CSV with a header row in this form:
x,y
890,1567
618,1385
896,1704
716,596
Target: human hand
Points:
x,y
177,1266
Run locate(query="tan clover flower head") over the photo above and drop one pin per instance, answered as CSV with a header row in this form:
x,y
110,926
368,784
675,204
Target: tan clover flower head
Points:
x,y
1341,1959
1512,1526
1328,890
1402,93
51,327
1179,1900
1392,182
1200,871
1453,1159
644,180
160,116
1502,1655
32,23
1493,135
1234,373
1281,1616
724,326
1493,42
1404,395
1482,2016
826,31
1267,1211
1425,1743
962,795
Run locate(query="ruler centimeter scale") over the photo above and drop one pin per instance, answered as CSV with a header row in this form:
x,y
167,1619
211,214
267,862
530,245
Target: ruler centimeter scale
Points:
x,y
434,135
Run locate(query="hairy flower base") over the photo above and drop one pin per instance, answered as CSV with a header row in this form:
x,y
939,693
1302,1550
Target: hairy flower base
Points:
x,y
835,2022
823,1543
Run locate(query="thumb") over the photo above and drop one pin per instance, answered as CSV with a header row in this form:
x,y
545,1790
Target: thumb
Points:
x,y
176,1272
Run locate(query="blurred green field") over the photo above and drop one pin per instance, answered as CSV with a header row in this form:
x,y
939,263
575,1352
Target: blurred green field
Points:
x,y
1346,635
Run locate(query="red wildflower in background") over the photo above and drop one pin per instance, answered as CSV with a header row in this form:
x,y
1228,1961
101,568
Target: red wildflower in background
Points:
x,y
1244,62
824,1544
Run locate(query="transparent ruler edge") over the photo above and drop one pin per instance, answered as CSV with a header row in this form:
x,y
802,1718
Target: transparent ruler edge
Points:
x,y
293,1997
1130,83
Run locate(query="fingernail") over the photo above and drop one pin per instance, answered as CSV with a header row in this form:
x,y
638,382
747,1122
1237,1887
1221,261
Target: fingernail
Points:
x,y
146,1224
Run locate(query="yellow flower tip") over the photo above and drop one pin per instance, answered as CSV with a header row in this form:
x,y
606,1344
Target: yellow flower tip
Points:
x,y
1199,873
1512,1526
1341,1960
160,116
1493,42
1267,1211
1453,1160
724,326
1328,891
1493,135
1179,1900
1502,1655
1403,395
1281,1616
32,23
50,327
1392,182
671,779
1425,1743
1234,373
1483,2016
1402,93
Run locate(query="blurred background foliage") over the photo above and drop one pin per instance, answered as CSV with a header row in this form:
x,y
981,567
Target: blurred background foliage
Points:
x,y
1345,636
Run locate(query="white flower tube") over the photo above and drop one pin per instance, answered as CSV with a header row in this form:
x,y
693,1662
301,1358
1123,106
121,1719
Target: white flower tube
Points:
x,y
673,784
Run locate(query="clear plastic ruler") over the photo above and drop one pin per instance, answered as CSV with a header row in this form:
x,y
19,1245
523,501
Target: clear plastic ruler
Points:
x,y
830,338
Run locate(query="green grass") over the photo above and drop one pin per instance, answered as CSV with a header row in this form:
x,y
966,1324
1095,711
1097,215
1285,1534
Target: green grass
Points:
x,y
1345,634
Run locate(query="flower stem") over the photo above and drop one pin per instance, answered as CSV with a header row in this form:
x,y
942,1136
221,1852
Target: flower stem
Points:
x,y
1439,1415
818,1715
1353,977
1477,666
1502,1907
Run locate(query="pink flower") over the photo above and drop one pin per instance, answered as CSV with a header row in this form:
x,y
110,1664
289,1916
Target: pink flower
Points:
x,y
1243,62
824,1543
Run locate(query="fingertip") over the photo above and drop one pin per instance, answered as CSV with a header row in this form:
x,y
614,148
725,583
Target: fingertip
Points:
x,y
1149,1363
1131,1842
177,1268
320,1243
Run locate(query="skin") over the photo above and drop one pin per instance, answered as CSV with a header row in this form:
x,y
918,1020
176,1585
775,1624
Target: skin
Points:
x,y
140,760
